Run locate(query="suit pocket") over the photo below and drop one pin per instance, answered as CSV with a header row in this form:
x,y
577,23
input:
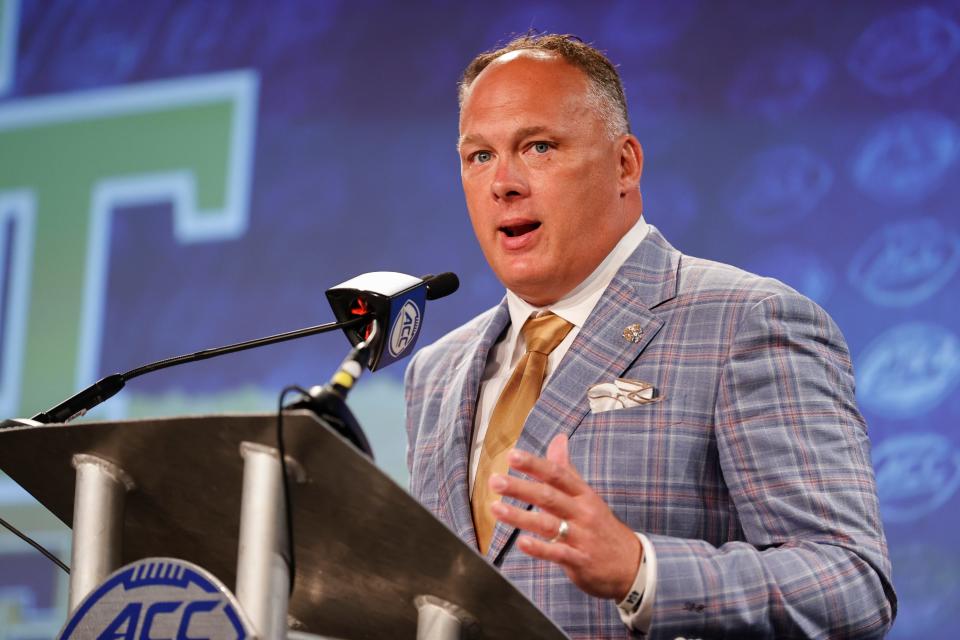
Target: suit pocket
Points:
x,y
640,413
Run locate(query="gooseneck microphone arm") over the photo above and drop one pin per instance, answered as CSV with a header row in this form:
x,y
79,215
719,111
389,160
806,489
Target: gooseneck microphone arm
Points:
x,y
98,392
243,346
437,286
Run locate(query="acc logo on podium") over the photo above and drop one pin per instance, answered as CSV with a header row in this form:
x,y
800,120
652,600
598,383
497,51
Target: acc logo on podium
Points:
x,y
159,598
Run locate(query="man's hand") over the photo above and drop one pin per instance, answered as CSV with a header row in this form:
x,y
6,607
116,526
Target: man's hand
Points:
x,y
599,554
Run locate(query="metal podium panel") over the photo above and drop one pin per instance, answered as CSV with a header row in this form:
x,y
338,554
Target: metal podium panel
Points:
x,y
365,549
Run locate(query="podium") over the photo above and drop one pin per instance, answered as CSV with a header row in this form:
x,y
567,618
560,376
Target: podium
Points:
x,y
370,562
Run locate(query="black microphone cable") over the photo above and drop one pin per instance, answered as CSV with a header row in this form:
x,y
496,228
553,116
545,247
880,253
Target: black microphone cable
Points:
x,y
288,503
341,382
36,545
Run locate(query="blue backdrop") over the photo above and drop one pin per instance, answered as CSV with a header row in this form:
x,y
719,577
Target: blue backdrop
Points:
x,y
293,145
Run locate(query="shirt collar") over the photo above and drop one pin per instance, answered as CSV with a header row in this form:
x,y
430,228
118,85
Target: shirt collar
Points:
x,y
577,305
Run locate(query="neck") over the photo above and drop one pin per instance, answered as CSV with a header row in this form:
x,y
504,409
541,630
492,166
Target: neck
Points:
x,y
601,275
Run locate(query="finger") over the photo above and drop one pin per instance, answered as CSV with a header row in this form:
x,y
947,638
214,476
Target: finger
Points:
x,y
562,477
558,451
557,552
543,524
544,496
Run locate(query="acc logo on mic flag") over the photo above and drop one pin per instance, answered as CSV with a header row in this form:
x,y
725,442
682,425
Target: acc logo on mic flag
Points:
x,y
405,328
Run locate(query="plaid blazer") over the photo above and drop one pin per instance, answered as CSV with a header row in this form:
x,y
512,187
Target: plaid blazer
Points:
x,y
751,476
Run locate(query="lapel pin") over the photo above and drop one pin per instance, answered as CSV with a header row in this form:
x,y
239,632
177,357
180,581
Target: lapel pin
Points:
x,y
633,333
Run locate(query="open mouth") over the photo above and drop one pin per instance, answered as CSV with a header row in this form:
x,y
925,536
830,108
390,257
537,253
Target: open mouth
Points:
x,y
515,230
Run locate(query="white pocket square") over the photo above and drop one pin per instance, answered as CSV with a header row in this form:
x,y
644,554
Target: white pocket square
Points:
x,y
622,393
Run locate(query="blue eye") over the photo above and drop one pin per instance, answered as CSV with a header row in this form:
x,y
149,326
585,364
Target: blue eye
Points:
x,y
482,156
541,147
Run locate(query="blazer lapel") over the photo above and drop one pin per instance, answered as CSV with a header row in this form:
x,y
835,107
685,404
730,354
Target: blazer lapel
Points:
x,y
457,412
600,352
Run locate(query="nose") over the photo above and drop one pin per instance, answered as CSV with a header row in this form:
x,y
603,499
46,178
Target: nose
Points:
x,y
509,181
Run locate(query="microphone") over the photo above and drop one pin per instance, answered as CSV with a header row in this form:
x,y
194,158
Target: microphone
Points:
x,y
105,388
441,285
396,303
329,402
361,305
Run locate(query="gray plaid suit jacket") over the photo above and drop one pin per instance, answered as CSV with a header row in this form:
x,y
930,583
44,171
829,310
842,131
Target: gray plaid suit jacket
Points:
x,y
751,477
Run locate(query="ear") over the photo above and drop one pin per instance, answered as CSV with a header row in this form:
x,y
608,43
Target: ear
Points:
x,y
631,164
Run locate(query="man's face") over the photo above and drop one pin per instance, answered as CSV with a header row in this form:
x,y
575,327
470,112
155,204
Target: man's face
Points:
x,y
544,181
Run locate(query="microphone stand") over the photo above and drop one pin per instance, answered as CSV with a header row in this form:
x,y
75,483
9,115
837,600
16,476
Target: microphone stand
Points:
x,y
82,402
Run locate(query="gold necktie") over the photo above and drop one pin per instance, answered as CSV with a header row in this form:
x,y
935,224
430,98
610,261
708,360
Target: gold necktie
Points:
x,y
541,335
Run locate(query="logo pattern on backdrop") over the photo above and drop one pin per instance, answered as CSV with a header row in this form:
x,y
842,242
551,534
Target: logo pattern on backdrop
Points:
x,y
907,157
778,187
909,369
902,52
916,474
905,263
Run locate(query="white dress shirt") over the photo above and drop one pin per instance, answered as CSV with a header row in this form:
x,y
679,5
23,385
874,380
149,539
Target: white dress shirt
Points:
x,y
575,307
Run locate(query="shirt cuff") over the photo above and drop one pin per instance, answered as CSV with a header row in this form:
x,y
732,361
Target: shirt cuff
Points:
x,y
636,610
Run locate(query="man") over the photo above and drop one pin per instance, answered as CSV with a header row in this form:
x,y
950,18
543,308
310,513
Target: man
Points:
x,y
675,441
